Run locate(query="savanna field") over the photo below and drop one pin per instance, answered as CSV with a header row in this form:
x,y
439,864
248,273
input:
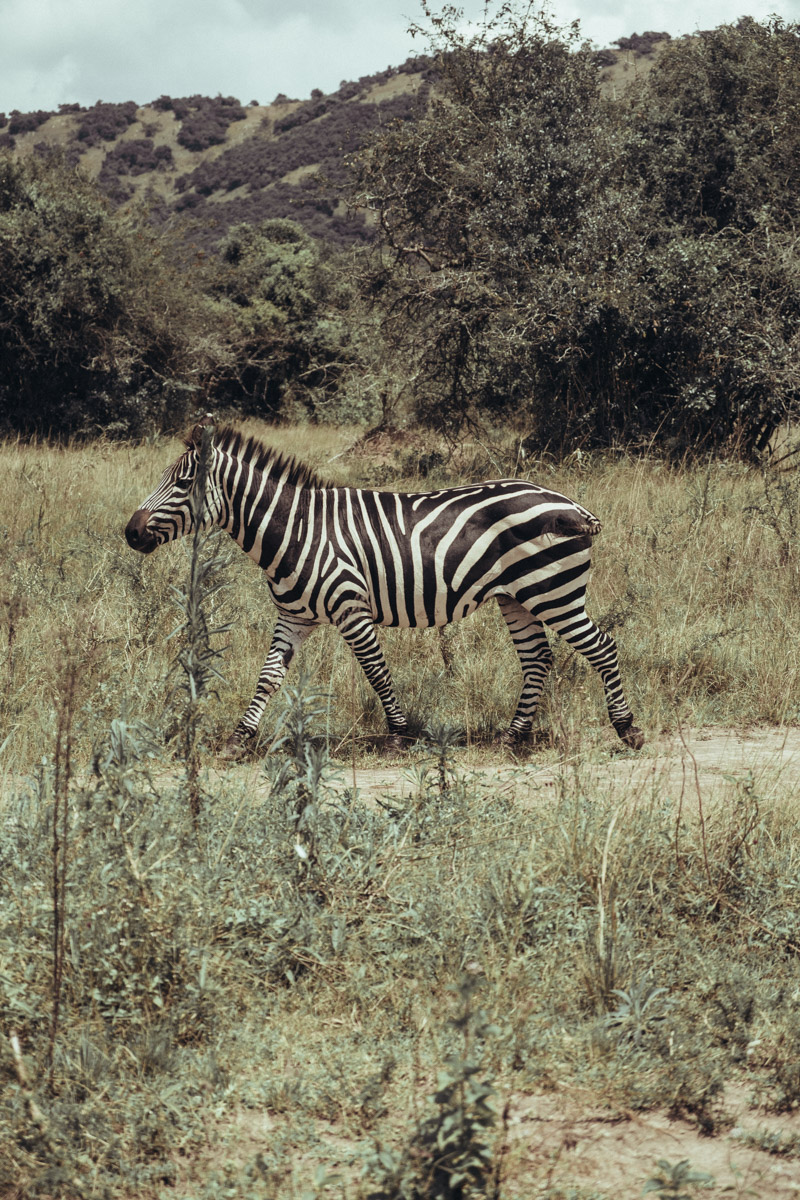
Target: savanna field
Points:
x,y
260,980
563,971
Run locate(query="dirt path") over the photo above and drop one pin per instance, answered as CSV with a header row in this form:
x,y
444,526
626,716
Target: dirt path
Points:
x,y
713,761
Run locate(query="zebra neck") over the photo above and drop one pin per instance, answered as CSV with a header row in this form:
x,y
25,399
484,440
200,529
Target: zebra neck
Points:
x,y
263,515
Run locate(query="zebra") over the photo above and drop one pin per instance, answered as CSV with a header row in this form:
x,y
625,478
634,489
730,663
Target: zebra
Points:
x,y
357,558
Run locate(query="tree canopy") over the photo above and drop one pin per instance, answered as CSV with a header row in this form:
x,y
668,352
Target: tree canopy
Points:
x,y
603,270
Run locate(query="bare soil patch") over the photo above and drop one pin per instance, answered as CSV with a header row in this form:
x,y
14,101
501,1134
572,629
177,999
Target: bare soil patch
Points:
x,y
712,762
559,1145
559,1142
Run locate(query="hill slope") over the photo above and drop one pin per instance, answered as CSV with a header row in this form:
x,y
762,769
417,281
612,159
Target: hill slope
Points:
x,y
219,163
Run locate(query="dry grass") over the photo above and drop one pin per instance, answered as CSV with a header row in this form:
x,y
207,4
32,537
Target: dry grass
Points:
x,y
696,573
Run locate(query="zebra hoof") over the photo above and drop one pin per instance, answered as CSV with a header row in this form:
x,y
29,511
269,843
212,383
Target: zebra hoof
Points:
x,y
512,739
235,749
631,735
395,743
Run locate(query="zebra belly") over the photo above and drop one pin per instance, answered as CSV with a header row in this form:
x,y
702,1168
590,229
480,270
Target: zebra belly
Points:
x,y
458,607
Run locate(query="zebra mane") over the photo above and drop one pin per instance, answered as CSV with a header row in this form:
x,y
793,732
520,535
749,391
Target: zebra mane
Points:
x,y
254,453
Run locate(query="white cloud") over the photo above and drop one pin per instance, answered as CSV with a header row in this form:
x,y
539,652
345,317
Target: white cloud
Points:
x,y
603,21
61,51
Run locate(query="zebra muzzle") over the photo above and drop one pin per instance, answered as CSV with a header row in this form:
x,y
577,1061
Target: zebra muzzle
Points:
x,y
137,535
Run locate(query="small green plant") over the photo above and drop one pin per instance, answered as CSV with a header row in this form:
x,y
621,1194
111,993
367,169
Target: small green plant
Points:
x,y
603,947
638,1012
677,1181
443,740
450,1156
780,1143
298,775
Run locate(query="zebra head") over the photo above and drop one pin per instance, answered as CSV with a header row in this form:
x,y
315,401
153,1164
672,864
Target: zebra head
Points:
x,y
170,511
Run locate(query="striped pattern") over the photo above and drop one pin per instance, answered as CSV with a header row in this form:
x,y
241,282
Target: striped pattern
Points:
x,y
356,559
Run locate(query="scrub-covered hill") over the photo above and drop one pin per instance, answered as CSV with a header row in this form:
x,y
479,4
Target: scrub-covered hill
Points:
x,y
220,162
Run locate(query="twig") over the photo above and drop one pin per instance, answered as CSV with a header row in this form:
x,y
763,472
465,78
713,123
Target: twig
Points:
x,y
699,801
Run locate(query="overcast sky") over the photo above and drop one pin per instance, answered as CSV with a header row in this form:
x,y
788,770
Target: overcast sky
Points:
x,y
62,51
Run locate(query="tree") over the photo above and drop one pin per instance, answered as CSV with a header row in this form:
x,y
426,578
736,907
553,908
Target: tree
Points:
x,y
712,149
92,334
283,304
480,202
714,129
598,272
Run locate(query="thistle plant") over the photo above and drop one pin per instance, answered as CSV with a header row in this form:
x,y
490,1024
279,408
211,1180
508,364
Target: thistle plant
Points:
x,y
299,774
197,659
449,1156
443,740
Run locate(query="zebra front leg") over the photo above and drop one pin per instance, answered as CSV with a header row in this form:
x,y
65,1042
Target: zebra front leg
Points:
x,y
536,659
287,637
600,650
358,630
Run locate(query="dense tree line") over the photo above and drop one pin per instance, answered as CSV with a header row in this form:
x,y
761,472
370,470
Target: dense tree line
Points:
x,y
598,271
623,271
91,337
108,325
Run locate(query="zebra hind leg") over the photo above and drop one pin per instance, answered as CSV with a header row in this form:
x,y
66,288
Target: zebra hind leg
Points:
x,y
600,649
358,630
536,659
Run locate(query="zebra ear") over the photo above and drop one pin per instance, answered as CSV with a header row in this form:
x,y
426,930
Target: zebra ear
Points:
x,y
196,436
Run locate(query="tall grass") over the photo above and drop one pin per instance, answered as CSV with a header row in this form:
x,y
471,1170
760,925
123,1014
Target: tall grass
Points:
x,y
397,975
696,573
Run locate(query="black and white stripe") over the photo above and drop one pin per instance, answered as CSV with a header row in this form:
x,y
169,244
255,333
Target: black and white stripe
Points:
x,y
356,559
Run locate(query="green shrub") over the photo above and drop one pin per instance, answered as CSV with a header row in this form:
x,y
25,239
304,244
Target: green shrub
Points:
x,y
89,345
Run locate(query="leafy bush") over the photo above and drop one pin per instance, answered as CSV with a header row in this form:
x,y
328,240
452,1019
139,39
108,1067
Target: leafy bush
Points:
x,y
208,124
27,122
600,274
135,156
67,156
164,104
288,315
309,111
86,346
105,122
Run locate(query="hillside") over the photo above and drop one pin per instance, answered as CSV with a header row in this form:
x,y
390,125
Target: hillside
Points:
x,y
217,162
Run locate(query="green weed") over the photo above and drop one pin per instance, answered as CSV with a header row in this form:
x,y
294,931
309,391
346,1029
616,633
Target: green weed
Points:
x,y
677,1181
